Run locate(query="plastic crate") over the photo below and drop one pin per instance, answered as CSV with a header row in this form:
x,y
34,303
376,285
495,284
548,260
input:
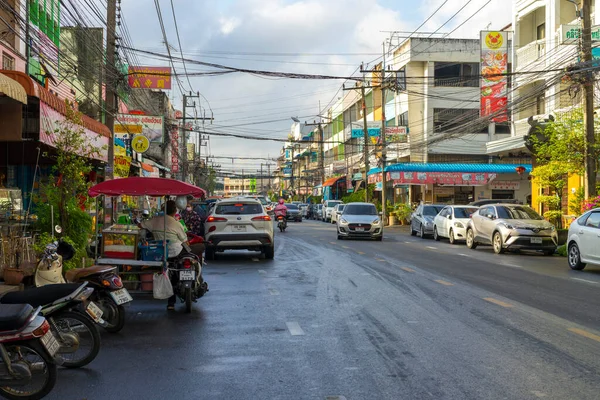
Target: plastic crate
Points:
x,y
154,251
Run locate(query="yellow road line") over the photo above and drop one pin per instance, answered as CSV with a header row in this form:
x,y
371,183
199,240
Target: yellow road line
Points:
x,y
498,302
585,334
346,247
333,242
360,252
445,283
407,269
380,259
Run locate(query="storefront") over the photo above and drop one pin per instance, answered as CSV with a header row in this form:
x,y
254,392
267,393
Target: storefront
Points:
x,y
334,188
456,183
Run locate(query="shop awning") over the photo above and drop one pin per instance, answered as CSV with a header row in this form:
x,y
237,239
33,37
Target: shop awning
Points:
x,y
456,167
332,181
147,167
12,89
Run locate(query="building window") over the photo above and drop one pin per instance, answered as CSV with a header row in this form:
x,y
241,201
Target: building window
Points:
x,y
401,80
8,62
540,104
445,119
456,74
403,119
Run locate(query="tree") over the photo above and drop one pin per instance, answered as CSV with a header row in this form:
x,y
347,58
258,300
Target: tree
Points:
x,y
65,192
552,175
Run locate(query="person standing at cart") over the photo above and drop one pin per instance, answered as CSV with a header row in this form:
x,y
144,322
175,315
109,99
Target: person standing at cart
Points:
x,y
192,219
174,233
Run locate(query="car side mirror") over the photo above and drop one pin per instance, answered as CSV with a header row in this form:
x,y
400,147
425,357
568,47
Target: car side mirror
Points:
x,y
380,213
449,216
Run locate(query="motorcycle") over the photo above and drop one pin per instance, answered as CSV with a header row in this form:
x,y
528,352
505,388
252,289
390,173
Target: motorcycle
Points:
x,y
186,277
281,223
64,305
109,293
27,349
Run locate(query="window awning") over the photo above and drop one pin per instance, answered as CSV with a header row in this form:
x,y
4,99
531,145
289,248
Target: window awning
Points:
x,y
12,89
332,181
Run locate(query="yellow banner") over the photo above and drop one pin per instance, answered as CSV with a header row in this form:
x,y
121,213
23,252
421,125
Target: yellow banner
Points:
x,y
121,167
120,128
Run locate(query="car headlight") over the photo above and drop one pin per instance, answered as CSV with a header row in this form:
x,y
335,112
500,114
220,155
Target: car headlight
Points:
x,y
552,228
343,221
459,225
377,221
507,226
428,223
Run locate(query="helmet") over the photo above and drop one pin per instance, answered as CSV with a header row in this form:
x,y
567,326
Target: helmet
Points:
x,y
181,202
281,201
145,212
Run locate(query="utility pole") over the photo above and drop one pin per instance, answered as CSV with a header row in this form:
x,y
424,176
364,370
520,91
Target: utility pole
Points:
x,y
383,140
292,176
320,155
184,166
366,146
110,74
590,151
261,177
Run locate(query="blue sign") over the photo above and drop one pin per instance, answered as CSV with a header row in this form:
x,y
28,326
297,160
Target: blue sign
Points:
x,y
287,171
358,133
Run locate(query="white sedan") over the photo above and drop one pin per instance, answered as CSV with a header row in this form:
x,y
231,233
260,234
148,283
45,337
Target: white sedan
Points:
x,y
337,211
583,240
451,223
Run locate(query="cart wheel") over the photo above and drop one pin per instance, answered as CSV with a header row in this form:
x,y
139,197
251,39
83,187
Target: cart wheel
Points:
x,y
188,300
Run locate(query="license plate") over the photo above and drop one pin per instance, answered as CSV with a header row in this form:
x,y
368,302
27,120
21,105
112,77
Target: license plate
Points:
x,y
359,229
121,296
50,343
94,311
536,240
239,228
187,275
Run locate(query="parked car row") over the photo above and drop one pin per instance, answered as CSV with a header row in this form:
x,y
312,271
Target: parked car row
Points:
x,y
504,226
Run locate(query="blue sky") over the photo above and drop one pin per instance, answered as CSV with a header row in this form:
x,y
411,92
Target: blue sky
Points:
x,y
348,31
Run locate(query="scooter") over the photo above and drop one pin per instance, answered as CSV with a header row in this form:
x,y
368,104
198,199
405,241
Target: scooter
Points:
x,y
186,276
71,317
27,350
109,293
281,223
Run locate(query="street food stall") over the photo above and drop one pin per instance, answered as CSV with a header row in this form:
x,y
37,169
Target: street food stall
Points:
x,y
122,245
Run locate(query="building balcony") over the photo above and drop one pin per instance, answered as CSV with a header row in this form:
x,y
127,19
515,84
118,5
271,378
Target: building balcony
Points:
x,y
532,53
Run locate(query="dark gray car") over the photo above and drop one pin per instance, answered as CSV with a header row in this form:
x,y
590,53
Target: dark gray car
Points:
x,y
422,219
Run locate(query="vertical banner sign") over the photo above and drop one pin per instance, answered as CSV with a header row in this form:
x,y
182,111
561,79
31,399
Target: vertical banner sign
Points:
x,y
175,148
494,66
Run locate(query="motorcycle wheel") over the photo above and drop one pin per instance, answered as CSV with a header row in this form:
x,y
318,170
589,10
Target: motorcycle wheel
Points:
x,y
114,315
31,352
188,300
72,323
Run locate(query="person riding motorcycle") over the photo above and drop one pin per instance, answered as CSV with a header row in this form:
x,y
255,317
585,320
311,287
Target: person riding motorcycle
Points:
x,y
280,209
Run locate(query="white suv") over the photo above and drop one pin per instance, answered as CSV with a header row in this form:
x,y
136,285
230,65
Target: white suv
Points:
x,y
328,207
239,223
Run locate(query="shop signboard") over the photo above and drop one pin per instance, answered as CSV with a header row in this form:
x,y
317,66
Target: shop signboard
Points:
x,y
494,82
287,172
505,185
127,125
396,134
571,33
175,148
360,133
149,77
441,178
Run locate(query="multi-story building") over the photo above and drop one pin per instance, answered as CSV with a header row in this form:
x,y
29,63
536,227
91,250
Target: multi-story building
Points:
x,y
233,187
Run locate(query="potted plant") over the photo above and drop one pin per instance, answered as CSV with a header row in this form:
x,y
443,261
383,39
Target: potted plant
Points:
x,y
402,212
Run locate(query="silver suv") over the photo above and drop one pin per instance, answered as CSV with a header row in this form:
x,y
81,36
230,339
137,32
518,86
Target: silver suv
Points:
x,y
511,227
238,224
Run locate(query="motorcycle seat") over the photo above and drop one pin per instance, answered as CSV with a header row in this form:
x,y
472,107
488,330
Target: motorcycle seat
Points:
x,y
40,296
73,275
14,316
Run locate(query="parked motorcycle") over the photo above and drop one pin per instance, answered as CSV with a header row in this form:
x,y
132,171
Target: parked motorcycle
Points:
x,y
64,306
109,293
186,277
27,348
281,223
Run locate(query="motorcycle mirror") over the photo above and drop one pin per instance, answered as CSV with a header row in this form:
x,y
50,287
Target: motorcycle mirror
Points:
x,y
58,229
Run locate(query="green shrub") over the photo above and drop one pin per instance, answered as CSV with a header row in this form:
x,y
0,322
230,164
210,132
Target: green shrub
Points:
x,y
562,250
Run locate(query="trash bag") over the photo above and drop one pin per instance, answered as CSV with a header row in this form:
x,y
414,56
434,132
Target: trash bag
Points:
x,y
162,288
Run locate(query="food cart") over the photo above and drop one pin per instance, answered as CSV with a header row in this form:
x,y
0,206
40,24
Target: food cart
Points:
x,y
121,244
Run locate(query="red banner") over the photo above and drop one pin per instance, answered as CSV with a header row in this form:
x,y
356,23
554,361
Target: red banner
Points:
x,y
441,178
494,66
150,77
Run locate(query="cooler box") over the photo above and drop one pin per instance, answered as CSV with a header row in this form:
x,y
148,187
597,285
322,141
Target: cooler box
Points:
x,y
120,241
154,251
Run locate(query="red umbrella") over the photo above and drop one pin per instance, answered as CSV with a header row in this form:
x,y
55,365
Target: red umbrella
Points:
x,y
140,186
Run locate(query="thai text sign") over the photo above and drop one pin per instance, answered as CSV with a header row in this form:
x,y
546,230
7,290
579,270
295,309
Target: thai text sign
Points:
x,y
494,66
396,134
122,165
359,133
127,125
570,34
150,77
505,185
443,178
175,148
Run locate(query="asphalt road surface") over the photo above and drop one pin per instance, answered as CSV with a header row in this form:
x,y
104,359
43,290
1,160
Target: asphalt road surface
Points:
x,y
405,318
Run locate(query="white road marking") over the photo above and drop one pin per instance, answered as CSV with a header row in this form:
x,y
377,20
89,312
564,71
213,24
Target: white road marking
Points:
x,y
254,259
262,271
431,247
274,292
584,280
537,393
412,322
464,255
294,328
513,265
407,241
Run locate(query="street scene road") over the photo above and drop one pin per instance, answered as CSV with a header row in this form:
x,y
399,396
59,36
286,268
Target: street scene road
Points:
x,y
405,318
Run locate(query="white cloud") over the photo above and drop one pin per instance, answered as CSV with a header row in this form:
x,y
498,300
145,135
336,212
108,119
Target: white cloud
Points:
x,y
228,25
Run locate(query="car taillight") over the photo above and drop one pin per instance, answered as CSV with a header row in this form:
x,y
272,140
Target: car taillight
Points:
x,y
212,229
216,219
279,218
187,263
42,330
262,218
116,280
